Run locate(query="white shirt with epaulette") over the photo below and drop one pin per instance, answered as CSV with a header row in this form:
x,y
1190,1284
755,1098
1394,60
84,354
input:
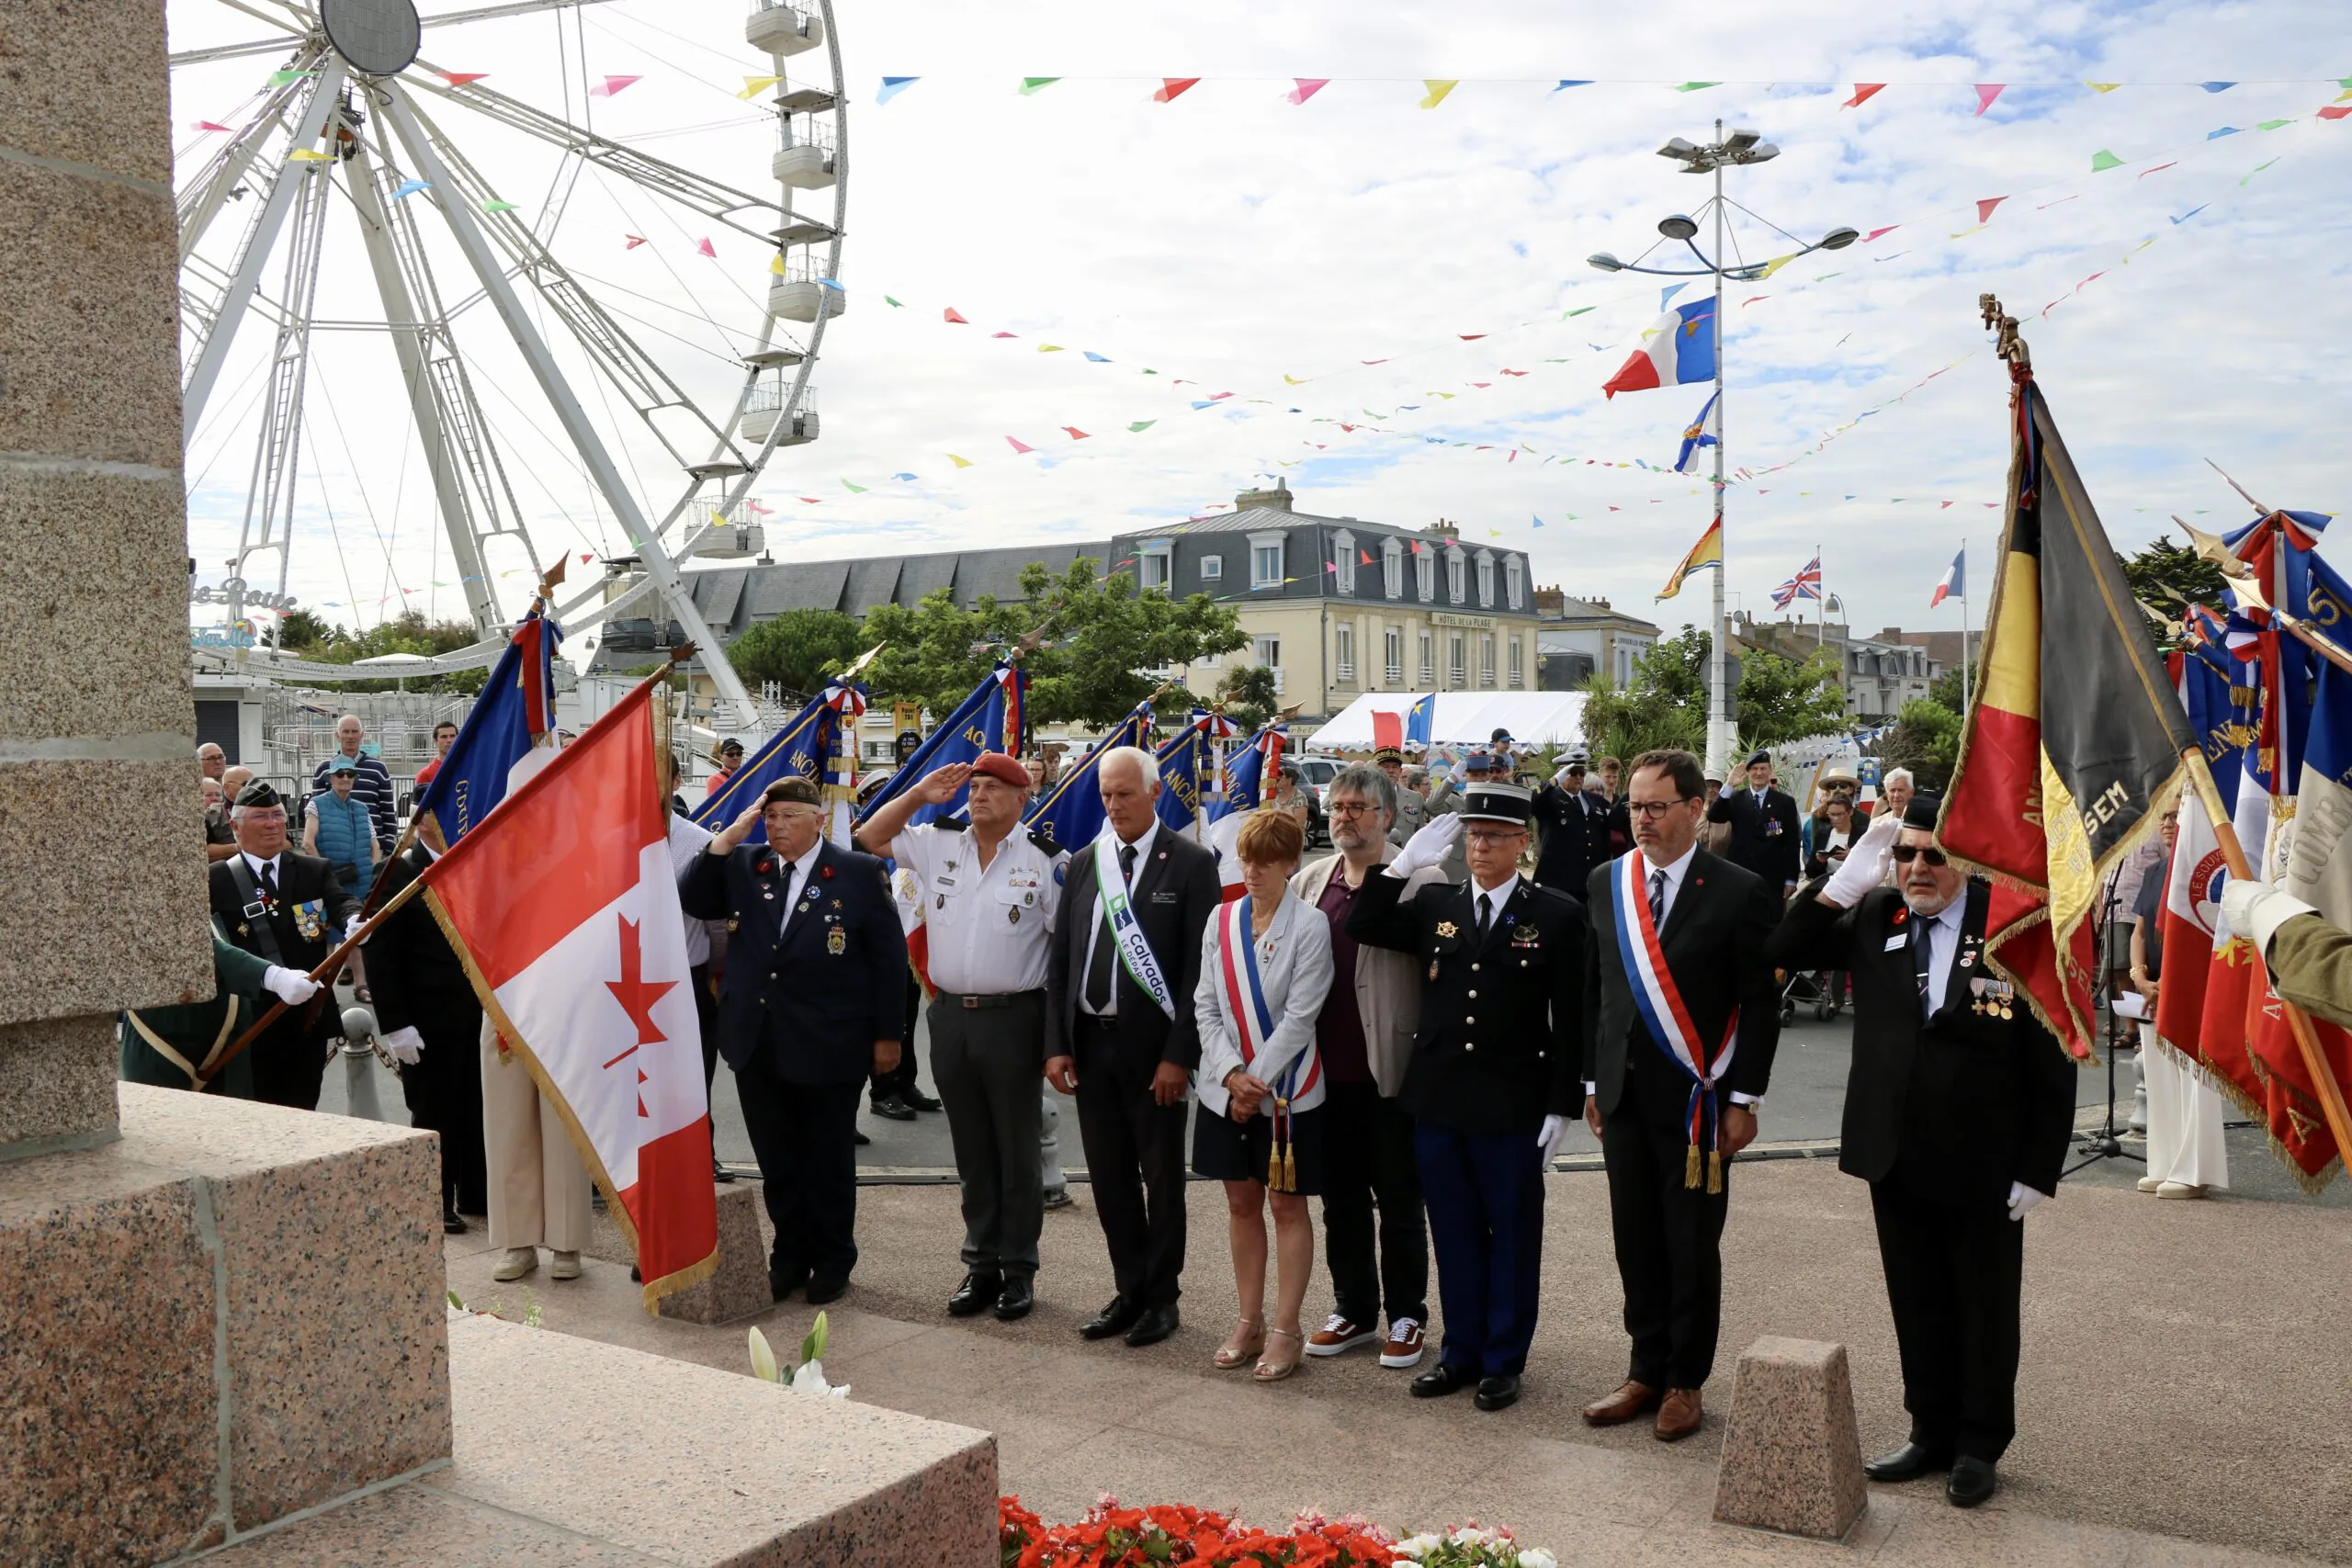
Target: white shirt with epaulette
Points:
x,y
986,930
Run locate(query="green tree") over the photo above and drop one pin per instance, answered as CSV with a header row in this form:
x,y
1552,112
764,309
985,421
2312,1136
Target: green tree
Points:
x,y
1665,705
410,633
1926,740
301,631
1785,699
2169,578
1249,696
797,648
1094,638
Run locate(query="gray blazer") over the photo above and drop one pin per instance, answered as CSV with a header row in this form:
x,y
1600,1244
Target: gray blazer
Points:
x,y
1296,966
1389,985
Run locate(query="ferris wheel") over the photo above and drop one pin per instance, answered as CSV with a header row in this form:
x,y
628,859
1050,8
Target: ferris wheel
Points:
x,y
358,242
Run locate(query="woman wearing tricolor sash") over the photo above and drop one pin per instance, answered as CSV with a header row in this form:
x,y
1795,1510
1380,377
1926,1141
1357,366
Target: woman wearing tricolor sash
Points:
x,y
1265,969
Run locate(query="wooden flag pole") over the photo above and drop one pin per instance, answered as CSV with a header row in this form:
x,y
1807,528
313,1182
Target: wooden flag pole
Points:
x,y
2331,1093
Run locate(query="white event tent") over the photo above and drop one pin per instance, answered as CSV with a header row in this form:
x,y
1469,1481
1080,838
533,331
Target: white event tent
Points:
x,y
1535,719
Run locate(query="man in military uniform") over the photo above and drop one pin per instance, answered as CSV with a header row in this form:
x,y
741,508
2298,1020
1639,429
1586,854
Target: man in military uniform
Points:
x,y
814,1001
1576,823
173,1047
2309,960
988,895
1958,1106
430,1021
1412,811
1764,833
289,909
1492,1083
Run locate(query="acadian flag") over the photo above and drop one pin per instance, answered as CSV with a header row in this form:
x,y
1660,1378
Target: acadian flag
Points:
x,y
1698,433
1678,348
1420,719
566,914
2074,746
1707,552
1070,810
1955,579
516,710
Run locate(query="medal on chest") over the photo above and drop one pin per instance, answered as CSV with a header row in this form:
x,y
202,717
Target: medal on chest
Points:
x,y
836,941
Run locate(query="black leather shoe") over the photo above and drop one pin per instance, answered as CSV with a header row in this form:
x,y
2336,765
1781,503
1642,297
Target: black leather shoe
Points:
x,y
1972,1480
821,1289
975,1295
893,1108
1499,1392
862,1139
782,1282
1116,1318
720,1173
1444,1378
452,1223
1014,1301
914,1099
1156,1324
1910,1461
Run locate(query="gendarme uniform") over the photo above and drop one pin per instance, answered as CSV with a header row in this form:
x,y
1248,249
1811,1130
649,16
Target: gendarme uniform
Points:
x,y
985,928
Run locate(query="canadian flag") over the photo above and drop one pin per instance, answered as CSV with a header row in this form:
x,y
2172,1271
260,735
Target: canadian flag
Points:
x,y
567,911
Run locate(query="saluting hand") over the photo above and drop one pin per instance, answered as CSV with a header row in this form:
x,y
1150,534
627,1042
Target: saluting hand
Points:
x,y
726,839
939,786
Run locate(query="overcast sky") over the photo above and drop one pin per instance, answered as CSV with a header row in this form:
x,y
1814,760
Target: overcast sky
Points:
x,y
1251,246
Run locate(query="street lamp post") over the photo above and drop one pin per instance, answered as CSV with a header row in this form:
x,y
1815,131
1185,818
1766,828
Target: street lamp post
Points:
x,y
1739,147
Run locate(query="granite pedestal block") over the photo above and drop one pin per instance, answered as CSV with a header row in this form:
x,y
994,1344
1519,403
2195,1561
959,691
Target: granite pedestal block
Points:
x,y
571,1451
1791,1461
232,1312
739,1288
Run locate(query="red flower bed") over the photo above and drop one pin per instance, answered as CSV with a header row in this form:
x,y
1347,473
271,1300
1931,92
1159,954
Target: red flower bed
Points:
x,y
1112,1536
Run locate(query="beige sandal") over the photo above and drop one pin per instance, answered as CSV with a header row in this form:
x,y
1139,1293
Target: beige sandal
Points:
x,y
1275,1371
1230,1355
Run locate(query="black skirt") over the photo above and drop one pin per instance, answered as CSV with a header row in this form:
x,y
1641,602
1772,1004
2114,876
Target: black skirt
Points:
x,y
1226,1150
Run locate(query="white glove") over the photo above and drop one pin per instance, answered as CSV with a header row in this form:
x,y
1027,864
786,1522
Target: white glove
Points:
x,y
288,985
1555,1133
405,1044
1864,866
350,927
1429,846
2256,911
2023,1198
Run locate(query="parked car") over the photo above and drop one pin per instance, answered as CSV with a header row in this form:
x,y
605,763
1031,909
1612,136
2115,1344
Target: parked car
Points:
x,y
1314,776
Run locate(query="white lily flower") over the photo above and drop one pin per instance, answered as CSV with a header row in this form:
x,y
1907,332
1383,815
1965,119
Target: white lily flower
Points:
x,y
1536,1557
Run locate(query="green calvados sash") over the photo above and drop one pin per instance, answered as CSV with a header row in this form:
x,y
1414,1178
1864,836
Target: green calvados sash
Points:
x,y
1134,951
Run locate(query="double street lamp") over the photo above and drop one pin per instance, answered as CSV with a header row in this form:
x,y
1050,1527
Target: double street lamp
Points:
x,y
1740,147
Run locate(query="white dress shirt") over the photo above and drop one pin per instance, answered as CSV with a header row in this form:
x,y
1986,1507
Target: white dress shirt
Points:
x,y
1495,898
260,865
1095,931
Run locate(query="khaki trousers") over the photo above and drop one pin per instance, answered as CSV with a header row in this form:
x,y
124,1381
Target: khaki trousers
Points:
x,y
538,1188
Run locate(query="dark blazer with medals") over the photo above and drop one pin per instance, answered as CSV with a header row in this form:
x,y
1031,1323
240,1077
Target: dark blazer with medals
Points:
x,y
1978,1096
304,924
1499,1043
1176,891
816,993
1765,838
1714,945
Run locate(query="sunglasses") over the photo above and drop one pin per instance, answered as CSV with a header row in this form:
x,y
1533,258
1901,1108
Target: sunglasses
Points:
x,y
1904,854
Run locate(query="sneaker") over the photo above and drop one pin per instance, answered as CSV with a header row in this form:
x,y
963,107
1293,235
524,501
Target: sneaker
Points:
x,y
518,1261
2151,1183
565,1266
1337,1337
1404,1347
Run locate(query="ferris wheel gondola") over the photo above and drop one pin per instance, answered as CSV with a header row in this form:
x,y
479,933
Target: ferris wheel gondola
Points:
x,y
357,116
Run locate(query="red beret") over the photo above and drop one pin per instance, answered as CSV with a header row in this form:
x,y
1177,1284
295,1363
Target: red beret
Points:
x,y
1004,769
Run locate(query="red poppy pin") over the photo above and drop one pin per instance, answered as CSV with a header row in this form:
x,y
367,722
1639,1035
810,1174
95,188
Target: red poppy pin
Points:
x,y
1901,914
826,872
767,866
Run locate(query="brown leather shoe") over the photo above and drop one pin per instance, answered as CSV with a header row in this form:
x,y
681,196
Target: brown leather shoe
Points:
x,y
1634,1399
1679,1416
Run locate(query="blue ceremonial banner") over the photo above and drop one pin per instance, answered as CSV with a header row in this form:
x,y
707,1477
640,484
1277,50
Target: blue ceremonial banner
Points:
x,y
1187,766
800,747
516,707
1246,774
1071,808
987,720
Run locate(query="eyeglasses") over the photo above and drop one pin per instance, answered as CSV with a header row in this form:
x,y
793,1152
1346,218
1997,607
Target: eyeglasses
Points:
x,y
1350,807
1504,837
1904,854
1654,810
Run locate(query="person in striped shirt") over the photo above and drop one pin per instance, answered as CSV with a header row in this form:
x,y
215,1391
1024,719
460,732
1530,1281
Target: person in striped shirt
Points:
x,y
373,785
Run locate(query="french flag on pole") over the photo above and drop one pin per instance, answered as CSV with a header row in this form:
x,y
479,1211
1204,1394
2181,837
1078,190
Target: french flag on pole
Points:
x,y
566,911
1678,349
1955,579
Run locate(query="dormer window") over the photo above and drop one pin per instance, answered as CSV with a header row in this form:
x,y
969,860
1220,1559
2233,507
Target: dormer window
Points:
x,y
1154,565
1515,581
1392,569
1454,575
1266,560
1486,579
1424,573
1343,561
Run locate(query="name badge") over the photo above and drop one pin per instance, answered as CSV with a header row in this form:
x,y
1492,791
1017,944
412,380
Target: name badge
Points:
x,y
1895,943
1163,897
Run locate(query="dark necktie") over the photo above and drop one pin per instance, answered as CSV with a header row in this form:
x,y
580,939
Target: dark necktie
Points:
x,y
1097,968
1658,898
1923,943
1485,918
269,881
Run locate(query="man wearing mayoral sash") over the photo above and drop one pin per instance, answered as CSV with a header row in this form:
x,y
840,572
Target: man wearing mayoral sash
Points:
x,y
1121,1035
1492,1081
1958,1106
1684,1021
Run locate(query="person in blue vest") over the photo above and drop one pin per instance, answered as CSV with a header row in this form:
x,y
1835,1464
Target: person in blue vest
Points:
x,y
342,831
813,1002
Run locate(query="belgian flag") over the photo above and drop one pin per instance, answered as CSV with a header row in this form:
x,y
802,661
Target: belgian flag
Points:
x,y
2075,745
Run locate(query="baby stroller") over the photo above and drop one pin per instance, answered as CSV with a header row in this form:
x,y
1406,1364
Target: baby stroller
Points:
x,y
1825,989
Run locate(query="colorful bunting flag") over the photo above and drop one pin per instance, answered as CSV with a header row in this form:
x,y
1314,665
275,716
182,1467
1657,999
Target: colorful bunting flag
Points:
x,y
704,246
954,316
496,206
1985,207
2217,135
754,86
2273,124
854,490
2192,212
2103,160
612,86
892,86
1143,424
1017,445
1032,85
279,78
2336,111
1985,93
1049,348
959,462
1095,358
1173,87
215,125
410,187
1696,86
1876,232
1074,432
2102,87
1438,89
1308,86
1863,92
2217,86
308,155
2158,170
633,240
1567,82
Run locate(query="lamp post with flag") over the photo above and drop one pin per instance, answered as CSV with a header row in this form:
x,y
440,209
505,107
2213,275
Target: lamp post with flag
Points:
x,y
1686,345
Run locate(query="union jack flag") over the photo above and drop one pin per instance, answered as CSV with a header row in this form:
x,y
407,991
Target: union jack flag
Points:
x,y
1806,584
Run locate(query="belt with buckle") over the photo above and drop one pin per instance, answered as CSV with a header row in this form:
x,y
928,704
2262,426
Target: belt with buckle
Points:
x,y
993,999
1099,1020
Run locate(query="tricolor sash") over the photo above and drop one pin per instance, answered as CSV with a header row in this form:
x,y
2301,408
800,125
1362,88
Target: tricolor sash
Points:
x,y
1667,1018
1134,951
1253,1025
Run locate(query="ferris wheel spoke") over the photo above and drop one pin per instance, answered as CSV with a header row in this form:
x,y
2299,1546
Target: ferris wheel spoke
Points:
x,y
246,273
424,157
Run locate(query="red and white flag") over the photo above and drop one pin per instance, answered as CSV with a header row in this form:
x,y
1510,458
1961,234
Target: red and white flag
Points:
x,y
566,910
